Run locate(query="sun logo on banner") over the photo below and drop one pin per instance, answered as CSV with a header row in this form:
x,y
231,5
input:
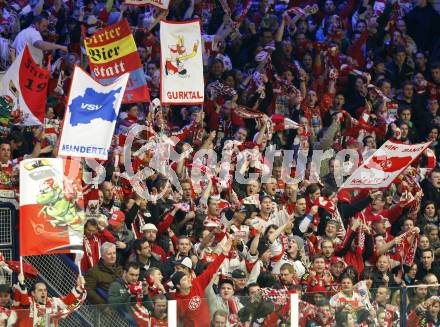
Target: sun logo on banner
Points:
x,y
174,63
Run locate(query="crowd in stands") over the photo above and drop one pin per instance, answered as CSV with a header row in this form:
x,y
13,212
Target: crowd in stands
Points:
x,y
351,74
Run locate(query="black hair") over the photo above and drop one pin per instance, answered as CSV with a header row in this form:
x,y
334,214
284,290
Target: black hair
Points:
x,y
137,245
133,265
91,221
266,279
38,19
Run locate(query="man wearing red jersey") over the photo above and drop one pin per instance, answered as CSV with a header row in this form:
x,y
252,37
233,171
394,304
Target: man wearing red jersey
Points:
x,y
192,308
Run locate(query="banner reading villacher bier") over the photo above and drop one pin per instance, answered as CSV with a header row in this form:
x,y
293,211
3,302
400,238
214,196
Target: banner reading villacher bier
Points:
x,y
23,91
163,4
388,162
181,66
90,116
111,52
51,207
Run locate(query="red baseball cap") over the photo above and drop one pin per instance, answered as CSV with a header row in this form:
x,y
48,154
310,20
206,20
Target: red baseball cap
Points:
x,y
116,218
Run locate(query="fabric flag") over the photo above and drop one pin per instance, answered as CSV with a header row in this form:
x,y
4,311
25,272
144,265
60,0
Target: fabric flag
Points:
x,y
388,162
51,210
24,88
111,52
162,4
90,118
282,123
181,65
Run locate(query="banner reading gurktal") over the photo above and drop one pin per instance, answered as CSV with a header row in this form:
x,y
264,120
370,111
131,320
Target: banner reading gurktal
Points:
x,y
181,66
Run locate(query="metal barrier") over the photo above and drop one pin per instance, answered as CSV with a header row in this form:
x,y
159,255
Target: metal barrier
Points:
x,y
8,234
59,273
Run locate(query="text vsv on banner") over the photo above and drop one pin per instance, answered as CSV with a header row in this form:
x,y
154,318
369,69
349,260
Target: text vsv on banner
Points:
x,y
90,116
112,52
181,66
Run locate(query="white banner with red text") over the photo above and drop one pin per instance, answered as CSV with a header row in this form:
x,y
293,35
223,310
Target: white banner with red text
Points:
x,y
387,163
181,66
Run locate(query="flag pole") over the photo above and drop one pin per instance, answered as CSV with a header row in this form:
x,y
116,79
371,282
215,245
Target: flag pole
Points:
x,y
78,263
21,264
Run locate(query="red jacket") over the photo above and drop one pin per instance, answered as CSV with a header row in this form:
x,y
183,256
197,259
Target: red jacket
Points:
x,y
192,309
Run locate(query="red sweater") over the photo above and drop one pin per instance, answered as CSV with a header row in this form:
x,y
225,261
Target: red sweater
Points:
x,y
192,309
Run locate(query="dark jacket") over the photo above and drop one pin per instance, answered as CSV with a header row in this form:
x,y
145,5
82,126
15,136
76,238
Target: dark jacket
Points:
x,y
153,262
100,276
430,193
423,26
398,76
119,295
422,271
127,237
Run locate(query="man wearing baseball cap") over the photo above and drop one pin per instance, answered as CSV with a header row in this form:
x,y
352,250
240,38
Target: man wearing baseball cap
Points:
x,y
337,267
124,237
225,300
240,282
192,309
150,233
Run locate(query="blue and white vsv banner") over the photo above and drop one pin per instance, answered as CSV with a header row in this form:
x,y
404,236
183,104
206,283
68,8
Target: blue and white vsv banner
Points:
x,y
90,116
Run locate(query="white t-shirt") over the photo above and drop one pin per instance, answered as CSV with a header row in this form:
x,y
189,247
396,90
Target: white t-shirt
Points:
x,y
29,36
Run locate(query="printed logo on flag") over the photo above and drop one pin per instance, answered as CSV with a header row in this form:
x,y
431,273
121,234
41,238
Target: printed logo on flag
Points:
x,y
112,52
51,209
91,116
387,163
181,63
23,91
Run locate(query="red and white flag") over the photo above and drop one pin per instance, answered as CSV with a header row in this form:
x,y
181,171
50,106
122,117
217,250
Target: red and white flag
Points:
x,y
283,123
181,65
388,162
25,83
162,4
51,209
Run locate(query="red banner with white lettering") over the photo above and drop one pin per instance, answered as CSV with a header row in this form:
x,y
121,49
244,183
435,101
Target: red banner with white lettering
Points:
x,y
162,4
388,162
51,206
181,65
112,52
24,88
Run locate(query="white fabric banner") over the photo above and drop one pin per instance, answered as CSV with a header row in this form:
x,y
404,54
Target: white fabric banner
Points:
x,y
181,63
163,4
388,162
90,116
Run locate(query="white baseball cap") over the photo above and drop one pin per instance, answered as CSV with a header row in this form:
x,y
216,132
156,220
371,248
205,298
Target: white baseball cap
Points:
x,y
149,226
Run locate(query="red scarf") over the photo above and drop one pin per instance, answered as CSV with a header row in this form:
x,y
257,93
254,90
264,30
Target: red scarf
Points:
x,y
233,311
